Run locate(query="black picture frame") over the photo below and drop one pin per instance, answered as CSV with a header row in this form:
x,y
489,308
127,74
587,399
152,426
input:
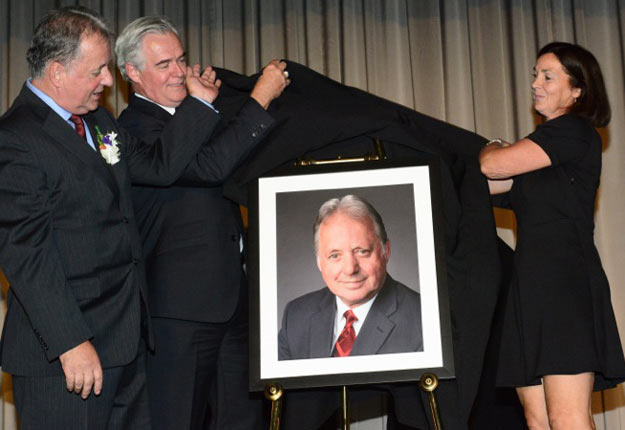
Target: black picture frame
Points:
x,y
282,208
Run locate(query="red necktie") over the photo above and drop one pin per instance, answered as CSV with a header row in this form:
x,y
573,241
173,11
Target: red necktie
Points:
x,y
346,339
80,127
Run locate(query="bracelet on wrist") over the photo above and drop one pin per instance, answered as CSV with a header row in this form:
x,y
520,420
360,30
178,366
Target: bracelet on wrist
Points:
x,y
497,142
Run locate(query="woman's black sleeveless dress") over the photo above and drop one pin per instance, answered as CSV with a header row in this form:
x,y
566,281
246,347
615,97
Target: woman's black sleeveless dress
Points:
x,y
558,315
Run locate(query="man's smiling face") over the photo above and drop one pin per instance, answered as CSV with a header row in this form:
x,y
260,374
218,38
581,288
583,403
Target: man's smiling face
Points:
x,y
82,81
351,258
161,76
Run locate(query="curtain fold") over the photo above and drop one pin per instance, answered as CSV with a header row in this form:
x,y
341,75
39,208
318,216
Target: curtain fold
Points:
x,y
467,62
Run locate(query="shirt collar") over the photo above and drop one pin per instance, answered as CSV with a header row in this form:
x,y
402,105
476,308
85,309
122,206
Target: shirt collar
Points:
x,y
48,100
170,110
360,311
60,111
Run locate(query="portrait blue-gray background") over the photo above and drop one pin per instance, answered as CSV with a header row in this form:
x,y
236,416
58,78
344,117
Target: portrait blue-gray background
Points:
x,y
295,215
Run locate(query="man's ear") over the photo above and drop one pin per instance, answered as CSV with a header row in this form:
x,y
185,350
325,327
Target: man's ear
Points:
x,y
319,262
387,248
134,74
55,73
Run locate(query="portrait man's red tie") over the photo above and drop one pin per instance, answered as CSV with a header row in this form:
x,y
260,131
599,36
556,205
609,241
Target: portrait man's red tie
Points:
x,y
345,342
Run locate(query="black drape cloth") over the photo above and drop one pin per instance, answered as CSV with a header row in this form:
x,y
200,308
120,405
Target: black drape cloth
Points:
x,y
321,118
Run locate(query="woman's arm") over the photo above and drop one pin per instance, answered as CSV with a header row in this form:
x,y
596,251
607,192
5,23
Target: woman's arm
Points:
x,y
504,160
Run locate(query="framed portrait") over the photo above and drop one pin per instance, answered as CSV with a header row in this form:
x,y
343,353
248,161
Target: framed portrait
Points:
x,y
299,278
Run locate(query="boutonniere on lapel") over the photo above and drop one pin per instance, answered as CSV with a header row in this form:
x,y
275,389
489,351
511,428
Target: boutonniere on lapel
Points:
x,y
107,144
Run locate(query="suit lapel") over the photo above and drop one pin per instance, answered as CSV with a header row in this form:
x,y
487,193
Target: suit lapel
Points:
x,y
322,327
377,326
64,135
113,172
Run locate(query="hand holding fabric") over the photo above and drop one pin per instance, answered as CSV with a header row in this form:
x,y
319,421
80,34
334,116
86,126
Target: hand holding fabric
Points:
x,y
271,83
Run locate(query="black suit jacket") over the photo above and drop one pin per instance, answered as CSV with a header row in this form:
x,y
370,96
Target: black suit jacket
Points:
x,y
189,230
393,324
69,244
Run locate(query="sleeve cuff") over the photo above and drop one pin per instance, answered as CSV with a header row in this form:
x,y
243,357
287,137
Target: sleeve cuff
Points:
x,y
206,103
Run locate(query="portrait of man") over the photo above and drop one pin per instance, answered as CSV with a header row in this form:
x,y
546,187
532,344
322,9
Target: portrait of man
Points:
x,y
362,310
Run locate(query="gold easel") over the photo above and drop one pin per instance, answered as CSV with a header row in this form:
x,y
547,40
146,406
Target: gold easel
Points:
x,y
379,155
274,392
344,408
428,382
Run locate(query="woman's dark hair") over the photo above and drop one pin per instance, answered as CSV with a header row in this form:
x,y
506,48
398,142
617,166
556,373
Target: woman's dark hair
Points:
x,y
584,73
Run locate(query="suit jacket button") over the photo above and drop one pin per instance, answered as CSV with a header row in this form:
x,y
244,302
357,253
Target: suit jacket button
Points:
x,y
254,134
125,220
234,237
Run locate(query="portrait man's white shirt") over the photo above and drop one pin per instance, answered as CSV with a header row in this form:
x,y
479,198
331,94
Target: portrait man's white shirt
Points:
x,y
360,312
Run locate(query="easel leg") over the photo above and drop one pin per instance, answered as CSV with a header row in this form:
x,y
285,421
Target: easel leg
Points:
x,y
344,408
274,392
428,383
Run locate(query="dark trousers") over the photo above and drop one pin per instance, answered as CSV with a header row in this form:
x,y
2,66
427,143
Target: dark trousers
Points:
x,y
198,375
45,403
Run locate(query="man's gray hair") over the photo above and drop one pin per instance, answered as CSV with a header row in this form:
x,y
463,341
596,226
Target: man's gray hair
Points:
x,y
128,45
356,208
58,35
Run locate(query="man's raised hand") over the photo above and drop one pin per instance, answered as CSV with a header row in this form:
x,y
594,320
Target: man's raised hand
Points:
x,y
203,85
271,83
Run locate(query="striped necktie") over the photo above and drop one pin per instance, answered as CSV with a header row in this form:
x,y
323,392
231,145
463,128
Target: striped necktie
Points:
x,y
80,126
345,342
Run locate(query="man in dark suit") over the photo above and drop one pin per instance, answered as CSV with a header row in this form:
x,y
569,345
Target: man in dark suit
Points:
x,y
192,240
69,244
363,310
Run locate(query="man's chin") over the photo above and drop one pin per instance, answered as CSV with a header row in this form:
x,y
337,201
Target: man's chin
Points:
x,y
179,94
83,110
94,102
353,302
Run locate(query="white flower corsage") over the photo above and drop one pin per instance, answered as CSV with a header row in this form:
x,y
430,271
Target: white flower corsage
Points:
x,y
108,146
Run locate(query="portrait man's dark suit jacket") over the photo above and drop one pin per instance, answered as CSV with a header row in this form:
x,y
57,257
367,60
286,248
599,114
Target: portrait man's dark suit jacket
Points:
x,y
190,231
393,324
69,244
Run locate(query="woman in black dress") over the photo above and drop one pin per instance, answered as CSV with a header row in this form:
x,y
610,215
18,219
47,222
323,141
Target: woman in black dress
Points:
x,y
560,339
